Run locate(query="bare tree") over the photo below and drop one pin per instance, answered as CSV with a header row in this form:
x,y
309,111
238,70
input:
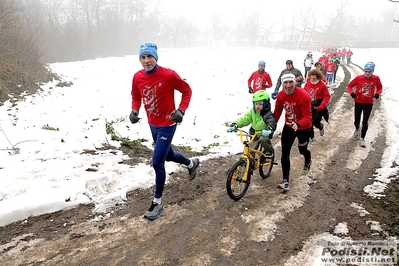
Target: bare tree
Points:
x,y
307,23
337,25
249,28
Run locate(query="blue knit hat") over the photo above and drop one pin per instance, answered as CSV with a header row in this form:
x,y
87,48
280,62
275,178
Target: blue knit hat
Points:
x,y
150,49
262,63
369,66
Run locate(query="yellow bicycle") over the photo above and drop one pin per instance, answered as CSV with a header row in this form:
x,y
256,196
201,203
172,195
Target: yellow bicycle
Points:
x,y
239,176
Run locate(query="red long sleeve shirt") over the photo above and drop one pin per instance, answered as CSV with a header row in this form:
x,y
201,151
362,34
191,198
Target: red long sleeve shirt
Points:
x,y
156,92
318,91
330,67
297,108
259,80
365,88
323,60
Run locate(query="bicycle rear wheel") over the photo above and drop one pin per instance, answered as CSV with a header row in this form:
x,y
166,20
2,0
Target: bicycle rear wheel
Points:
x,y
266,166
235,185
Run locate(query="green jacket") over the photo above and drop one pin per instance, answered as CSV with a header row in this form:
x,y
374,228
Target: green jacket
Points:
x,y
257,122
336,61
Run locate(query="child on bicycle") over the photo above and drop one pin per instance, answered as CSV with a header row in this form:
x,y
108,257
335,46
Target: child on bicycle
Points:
x,y
261,118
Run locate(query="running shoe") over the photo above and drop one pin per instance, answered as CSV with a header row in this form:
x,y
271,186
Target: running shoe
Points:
x,y
322,129
356,134
306,168
362,143
192,172
154,211
284,185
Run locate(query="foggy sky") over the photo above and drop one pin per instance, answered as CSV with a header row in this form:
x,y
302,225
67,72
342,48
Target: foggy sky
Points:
x,y
277,12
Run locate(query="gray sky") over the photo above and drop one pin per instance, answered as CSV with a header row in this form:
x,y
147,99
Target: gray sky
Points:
x,y
231,11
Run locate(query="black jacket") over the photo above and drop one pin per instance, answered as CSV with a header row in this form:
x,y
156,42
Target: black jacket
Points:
x,y
294,71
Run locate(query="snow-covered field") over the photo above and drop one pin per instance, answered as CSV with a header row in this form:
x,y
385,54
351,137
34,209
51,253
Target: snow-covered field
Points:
x,y
43,171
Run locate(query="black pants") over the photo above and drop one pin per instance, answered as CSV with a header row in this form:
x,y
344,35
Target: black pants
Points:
x,y
364,108
335,74
288,137
317,116
316,121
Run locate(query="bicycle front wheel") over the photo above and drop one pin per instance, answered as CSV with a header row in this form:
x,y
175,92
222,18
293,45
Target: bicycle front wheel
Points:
x,y
236,186
266,166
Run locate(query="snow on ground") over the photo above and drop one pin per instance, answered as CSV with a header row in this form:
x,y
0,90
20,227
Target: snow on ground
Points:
x,y
43,171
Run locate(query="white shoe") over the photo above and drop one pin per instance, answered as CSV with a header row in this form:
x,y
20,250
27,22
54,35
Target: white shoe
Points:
x,y
356,134
362,143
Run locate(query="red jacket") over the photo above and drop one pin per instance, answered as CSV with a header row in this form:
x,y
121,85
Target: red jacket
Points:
x,y
156,91
318,91
297,108
259,80
365,88
323,60
330,67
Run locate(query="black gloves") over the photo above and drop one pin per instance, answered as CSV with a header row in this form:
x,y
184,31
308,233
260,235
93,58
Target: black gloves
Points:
x,y
376,96
353,95
264,86
249,90
177,116
134,116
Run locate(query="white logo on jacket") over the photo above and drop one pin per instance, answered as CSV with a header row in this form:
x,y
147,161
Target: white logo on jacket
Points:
x,y
289,112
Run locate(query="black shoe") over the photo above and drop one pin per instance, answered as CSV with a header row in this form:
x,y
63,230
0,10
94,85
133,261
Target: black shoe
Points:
x,y
321,129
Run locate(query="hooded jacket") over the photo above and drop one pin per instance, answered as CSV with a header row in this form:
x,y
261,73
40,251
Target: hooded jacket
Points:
x,y
259,120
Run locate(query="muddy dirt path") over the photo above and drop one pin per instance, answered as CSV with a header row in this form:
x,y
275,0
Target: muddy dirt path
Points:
x,y
201,225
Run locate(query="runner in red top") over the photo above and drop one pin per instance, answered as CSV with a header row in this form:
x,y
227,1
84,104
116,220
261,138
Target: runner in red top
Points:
x,y
364,89
261,79
157,94
330,69
349,57
155,86
319,97
298,121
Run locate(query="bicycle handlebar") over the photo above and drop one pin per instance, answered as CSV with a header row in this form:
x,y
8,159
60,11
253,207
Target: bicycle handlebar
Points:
x,y
243,134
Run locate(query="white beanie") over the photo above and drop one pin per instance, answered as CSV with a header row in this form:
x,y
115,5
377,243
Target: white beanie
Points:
x,y
288,76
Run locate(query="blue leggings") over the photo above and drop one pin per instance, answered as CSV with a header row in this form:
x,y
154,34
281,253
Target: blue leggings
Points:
x,y
329,77
162,137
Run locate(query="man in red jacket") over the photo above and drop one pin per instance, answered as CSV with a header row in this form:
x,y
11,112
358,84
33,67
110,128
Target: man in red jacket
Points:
x,y
298,121
259,80
349,57
368,87
154,86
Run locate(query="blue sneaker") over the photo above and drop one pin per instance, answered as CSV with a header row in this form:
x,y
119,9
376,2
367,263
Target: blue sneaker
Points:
x,y
284,185
192,172
154,211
